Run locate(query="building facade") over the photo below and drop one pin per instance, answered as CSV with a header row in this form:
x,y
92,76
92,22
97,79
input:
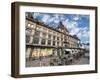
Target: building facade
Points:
x,y
43,40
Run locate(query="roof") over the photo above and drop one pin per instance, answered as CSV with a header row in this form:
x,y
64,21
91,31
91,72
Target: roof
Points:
x,y
62,26
75,36
47,26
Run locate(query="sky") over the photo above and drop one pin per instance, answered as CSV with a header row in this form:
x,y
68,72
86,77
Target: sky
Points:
x,y
77,24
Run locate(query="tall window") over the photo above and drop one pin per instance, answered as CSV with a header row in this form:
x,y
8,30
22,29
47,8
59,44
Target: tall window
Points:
x,y
65,39
49,36
49,42
43,41
54,43
36,37
54,37
57,43
61,39
49,39
27,38
44,35
36,40
57,38
29,25
37,33
28,33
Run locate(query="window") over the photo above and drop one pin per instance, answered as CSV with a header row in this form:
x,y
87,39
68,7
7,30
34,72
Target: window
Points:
x,y
28,33
57,38
54,32
50,31
57,43
66,45
39,28
43,41
49,42
32,26
49,36
28,30
27,38
37,33
65,39
44,35
35,40
54,43
44,29
29,25
61,39
54,37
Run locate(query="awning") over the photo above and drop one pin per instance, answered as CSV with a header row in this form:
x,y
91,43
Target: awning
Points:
x,y
67,49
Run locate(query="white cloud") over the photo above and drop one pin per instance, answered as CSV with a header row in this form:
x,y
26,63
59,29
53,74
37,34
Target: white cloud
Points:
x,y
45,18
66,23
74,29
56,16
79,35
71,26
62,17
84,34
76,18
36,14
51,19
56,21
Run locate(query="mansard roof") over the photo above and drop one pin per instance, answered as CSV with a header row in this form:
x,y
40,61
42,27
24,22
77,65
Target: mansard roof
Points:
x,y
55,29
61,26
75,36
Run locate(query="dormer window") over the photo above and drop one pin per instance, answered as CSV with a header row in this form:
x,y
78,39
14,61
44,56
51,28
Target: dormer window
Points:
x,y
29,25
62,28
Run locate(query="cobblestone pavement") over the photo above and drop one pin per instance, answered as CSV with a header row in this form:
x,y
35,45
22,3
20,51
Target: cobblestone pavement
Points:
x,y
37,63
81,60
45,62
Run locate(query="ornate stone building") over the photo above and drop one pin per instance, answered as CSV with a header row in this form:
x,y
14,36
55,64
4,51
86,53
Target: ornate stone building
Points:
x,y
43,40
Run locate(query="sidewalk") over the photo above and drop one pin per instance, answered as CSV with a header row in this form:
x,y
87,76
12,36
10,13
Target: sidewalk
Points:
x,y
81,60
